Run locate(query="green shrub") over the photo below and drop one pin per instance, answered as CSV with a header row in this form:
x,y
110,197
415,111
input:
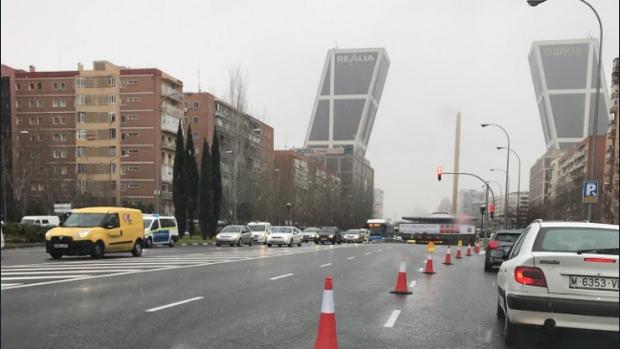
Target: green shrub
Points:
x,y
15,232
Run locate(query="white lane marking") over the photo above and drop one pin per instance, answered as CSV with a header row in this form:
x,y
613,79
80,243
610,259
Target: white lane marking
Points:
x,y
325,265
64,272
352,257
281,276
392,319
487,337
9,285
493,283
14,278
173,304
367,253
421,269
412,284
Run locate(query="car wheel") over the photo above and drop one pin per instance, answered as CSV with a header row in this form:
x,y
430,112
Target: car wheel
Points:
x,y
239,242
290,243
149,242
299,244
499,312
172,242
251,242
98,250
488,267
268,245
137,249
56,255
510,330
217,244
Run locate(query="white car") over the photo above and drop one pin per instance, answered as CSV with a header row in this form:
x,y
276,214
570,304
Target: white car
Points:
x,y
234,235
284,235
260,231
560,274
160,230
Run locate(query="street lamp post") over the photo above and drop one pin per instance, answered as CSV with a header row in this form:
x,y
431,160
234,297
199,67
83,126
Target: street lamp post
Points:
x,y
506,198
593,118
507,167
233,188
518,182
288,212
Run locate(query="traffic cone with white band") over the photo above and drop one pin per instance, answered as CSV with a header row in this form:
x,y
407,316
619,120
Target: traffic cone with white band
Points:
x,y
326,337
448,260
468,252
428,267
458,252
401,281
476,247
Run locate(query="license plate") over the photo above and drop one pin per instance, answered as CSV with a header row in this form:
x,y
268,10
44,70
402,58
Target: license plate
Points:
x,y
593,283
61,245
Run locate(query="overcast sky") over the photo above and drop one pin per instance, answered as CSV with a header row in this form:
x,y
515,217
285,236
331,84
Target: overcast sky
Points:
x,y
447,56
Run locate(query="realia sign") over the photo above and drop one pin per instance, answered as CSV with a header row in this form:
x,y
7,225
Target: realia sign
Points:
x,y
355,58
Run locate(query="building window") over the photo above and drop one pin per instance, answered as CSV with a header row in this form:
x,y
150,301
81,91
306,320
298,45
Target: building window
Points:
x,y
80,152
80,99
196,119
39,86
132,99
133,186
60,137
132,134
63,103
64,186
39,103
218,106
112,168
81,135
111,117
39,121
55,103
31,86
62,85
81,117
111,99
54,86
111,81
18,104
132,116
82,168
132,151
132,82
19,122
133,168
123,171
112,133
196,105
59,154
80,82
18,87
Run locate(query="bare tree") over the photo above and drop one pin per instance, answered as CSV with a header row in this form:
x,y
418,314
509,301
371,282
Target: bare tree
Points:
x,y
237,88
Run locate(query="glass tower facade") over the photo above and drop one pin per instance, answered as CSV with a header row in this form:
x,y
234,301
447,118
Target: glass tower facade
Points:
x,y
564,76
348,97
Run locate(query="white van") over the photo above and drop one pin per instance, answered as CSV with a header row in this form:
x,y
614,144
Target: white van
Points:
x,y
52,221
260,231
160,230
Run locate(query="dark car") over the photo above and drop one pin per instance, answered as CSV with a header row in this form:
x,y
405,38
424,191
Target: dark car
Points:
x,y
329,234
498,246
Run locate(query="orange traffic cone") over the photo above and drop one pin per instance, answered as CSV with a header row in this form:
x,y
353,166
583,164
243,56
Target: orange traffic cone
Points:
x,y
458,252
476,247
428,267
401,281
448,260
326,337
468,252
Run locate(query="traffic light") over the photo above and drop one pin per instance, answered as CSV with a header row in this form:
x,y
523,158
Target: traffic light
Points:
x,y
439,173
482,209
492,210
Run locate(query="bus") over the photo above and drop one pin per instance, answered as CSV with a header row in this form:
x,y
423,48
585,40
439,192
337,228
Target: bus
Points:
x,y
439,227
379,229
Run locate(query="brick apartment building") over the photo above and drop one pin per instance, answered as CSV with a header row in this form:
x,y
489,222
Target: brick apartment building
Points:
x,y
100,136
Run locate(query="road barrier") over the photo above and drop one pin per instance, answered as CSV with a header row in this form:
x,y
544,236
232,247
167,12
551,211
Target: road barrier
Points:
x,y
401,281
326,337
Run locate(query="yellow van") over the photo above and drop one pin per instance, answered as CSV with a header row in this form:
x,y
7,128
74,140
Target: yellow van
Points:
x,y
97,230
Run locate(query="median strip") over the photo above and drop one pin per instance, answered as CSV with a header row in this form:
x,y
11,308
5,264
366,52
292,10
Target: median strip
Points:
x,y
173,304
281,276
392,319
325,265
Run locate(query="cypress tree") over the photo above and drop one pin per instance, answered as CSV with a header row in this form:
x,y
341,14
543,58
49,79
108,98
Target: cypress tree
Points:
x,y
178,189
205,192
191,180
217,182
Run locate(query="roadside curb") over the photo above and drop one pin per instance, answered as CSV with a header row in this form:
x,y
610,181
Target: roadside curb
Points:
x,y
9,246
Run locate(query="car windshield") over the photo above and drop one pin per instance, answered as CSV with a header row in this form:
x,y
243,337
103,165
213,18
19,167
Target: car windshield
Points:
x,y
147,222
311,230
282,230
353,231
84,220
506,237
594,240
328,230
257,227
231,229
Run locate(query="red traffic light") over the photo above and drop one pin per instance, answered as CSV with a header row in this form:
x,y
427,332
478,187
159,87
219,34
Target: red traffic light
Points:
x,y
439,173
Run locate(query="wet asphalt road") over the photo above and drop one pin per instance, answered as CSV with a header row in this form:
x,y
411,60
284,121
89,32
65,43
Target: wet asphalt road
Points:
x,y
256,297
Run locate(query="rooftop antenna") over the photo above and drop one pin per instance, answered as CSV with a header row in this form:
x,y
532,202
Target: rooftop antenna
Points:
x,y
285,141
198,80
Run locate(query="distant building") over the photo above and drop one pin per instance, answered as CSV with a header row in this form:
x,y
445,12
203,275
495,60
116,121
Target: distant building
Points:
x,y
470,201
346,105
564,76
377,207
612,163
540,178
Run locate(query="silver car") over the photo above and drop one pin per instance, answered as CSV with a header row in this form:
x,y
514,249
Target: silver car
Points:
x,y
234,235
310,234
284,235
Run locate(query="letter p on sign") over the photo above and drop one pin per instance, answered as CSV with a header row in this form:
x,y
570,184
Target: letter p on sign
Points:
x,y
590,192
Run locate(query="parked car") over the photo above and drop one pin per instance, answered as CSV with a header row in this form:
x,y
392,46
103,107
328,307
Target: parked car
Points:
x,y
329,234
97,230
234,235
353,235
284,235
260,231
160,230
498,246
560,274
310,234
52,221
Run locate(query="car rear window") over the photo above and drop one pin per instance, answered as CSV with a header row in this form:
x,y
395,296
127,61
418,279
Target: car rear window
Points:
x,y
507,237
595,240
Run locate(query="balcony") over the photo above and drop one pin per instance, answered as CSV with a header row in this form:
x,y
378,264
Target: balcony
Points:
x,y
169,123
166,173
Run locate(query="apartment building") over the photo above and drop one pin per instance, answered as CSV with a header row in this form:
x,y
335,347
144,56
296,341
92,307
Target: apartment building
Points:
x,y
610,192
96,136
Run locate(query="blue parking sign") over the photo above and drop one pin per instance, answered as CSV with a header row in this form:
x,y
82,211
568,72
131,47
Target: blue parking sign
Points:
x,y
590,192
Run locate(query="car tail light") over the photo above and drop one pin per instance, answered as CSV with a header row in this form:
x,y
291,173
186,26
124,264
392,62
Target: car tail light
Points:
x,y
600,260
492,245
530,276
